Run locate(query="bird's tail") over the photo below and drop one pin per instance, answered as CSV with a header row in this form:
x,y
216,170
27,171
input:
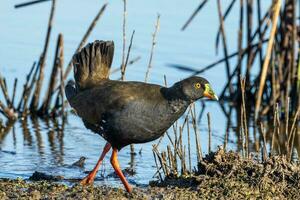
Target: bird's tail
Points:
x,y
92,63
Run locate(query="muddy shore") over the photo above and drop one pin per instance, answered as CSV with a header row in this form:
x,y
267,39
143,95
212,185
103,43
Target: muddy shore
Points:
x,y
219,176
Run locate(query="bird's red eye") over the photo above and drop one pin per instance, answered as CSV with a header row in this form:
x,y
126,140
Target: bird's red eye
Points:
x,y
197,85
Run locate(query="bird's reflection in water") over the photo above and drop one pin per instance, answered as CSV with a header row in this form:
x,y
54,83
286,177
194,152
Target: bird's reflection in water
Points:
x,y
5,129
26,132
38,136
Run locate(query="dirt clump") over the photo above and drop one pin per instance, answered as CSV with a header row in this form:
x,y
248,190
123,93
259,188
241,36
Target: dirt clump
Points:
x,y
228,175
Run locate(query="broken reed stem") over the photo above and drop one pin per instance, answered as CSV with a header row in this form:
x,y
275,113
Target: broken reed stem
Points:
x,y
197,140
267,57
287,109
209,132
14,93
61,68
42,61
85,37
28,91
152,48
124,38
123,70
29,3
4,91
292,134
8,112
264,152
274,128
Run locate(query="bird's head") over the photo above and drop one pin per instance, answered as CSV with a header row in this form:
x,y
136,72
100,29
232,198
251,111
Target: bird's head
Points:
x,y
194,88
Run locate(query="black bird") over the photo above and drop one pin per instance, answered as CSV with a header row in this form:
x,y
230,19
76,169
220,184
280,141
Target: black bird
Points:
x,y
125,112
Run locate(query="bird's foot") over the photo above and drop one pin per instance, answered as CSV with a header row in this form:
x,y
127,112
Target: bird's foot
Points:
x,y
88,180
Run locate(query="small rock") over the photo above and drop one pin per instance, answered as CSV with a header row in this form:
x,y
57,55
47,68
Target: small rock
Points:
x,y
40,176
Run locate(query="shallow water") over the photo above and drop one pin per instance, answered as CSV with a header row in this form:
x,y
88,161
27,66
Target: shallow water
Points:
x,y
42,146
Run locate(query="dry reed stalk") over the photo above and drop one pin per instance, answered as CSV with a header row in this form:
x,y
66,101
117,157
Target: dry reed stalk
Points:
x,y
181,150
267,57
160,159
28,90
209,132
42,62
249,11
4,91
244,117
53,77
156,164
274,128
14,93
152,48
223,19
189,146
240,41
164,161
85,37
244,51
61,69
169,157
26,85
227,129
123,69
131,62
260,36
195,128
290,151
287,109
8,112
264,152
293,130
242,131
224,45
201,5
124,38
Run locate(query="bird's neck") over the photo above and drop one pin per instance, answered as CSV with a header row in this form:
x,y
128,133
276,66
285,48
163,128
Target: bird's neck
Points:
x,y
176,98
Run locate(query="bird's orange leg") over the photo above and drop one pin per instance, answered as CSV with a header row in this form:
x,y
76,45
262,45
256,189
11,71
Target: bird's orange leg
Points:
x,y
89,179
115,163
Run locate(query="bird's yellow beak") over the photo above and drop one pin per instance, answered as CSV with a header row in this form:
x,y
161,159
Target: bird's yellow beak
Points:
x,y
209,93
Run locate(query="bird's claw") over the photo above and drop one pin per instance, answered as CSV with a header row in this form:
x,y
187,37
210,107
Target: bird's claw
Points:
x,y
87,181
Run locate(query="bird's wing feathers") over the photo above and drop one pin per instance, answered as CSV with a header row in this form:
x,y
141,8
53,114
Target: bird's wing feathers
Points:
x,y
110,97
92,64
